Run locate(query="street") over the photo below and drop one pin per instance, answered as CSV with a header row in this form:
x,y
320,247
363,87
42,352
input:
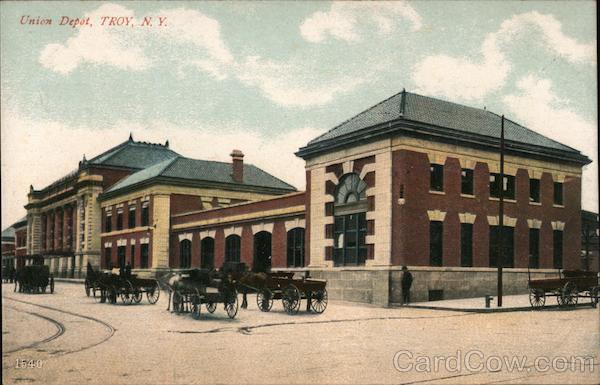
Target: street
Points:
x,y
68,338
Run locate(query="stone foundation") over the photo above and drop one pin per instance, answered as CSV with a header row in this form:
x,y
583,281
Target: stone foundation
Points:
x,y
381,286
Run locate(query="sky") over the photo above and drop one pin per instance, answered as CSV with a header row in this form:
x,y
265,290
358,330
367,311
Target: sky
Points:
x,y
266,77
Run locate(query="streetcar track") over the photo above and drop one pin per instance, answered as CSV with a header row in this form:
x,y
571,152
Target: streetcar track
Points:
x,y
60,330
109,327
247,330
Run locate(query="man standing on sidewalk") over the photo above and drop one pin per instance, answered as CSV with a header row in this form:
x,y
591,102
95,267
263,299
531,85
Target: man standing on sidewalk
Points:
x,y
407,280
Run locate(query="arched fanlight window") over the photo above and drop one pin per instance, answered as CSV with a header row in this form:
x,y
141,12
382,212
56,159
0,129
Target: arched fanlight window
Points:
x,y
351,189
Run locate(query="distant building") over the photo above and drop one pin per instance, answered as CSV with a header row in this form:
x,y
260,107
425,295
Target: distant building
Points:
x,y
590,259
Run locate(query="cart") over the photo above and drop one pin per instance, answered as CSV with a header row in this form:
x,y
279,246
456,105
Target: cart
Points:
x,y
567,288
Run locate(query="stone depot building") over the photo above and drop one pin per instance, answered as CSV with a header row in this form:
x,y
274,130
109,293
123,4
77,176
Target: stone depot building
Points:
x,y
411,181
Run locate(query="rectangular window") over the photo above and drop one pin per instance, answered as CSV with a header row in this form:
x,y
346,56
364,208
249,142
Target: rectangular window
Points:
x,y
558,249
436,174
534,190
132,256
534,248
466,181
108,223
121,256
120,220
494,185
558,193
131,219
145,214
349,239
107,258
508,243
508,186
144,255
436,244
466,244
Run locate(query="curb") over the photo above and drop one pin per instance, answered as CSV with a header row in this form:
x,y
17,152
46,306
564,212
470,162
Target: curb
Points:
x,y
497,310
70,280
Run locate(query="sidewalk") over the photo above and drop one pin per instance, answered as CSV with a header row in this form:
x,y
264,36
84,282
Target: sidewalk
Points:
x,y
70,280
477,305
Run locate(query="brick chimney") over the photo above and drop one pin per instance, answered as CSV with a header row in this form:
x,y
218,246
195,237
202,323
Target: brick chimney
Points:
x,y
237,158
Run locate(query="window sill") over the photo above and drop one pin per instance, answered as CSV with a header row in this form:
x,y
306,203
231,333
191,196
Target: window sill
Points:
x,y
558,206
437,192
535,203
467,196
507,200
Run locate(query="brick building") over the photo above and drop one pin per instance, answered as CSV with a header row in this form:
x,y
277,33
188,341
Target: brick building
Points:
x,y
8,250
410,181
116,206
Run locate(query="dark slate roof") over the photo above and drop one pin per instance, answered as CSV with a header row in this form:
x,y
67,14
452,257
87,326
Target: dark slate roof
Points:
x,y
407,106
183,169
133,154
8,234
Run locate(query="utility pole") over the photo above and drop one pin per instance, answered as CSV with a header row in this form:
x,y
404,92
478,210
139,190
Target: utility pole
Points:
x,y
500,257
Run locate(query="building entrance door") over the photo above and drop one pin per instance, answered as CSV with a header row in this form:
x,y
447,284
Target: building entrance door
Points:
x,y
262,252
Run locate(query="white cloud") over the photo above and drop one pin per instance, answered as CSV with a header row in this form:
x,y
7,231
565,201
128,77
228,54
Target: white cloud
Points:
x,y
468,78
537,106
114,46
293,85
345,20
23,138
193,40
135,48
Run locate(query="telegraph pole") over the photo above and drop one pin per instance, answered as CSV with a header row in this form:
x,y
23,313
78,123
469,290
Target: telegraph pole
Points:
x,y
500,257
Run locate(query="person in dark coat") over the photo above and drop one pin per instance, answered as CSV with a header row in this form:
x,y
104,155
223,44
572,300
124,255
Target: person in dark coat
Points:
x,y
407,280
128,270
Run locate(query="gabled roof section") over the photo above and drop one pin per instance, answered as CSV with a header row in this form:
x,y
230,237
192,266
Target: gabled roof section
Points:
x,y
452,118
194,170
8,234
132,154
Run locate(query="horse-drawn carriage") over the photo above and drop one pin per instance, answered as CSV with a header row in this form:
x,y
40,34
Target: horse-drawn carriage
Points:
x,y
34,279
189,290
567,288
108,287
291,291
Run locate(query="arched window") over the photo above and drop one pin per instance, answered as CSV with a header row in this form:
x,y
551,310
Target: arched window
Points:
x,y
207,253
351,189
350,225
295,247
232,248
185,252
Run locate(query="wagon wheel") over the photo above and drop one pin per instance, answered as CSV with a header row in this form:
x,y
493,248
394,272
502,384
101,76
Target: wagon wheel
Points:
x,y
264,299
318,301
153,293
137,295
568,295
51,285
291,299
87,287
177,301
127,293
231,303
537,298
211,307
112,294
97,294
